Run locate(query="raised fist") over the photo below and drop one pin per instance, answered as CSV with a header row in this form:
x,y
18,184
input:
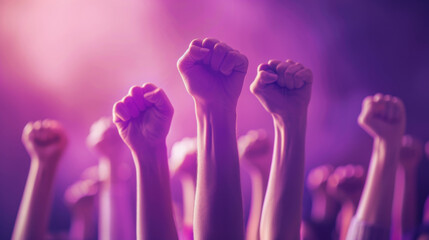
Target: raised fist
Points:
x,y
411,152
283,88
383,116
80,196
143,117
183,160
213,72
318,177
104,138
44,140
255,150
346,183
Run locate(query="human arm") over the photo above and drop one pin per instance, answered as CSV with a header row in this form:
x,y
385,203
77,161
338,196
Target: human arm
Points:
x,y
284,90
45,142
115,220
213,74
382,117
143,120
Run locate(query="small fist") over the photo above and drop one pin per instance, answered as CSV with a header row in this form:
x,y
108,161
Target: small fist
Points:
x,y
44,140
318,177
143,117
255,150
213,72
383,116
411,152
283,88
104,138
346,183
183,159
80,197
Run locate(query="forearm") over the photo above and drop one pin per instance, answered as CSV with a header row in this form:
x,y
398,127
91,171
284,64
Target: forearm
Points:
x,y
115,215
259,186
154,206
375,206
218,212
344,218
409,202
281,215
34,211
188,186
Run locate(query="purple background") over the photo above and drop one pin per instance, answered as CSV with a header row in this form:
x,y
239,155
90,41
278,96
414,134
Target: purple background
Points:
x,y
71,60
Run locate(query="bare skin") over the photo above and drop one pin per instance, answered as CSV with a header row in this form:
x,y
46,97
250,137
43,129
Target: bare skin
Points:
x,y
81,198
410,156
284,89
213,74
323,207
383,118
45,142
345,185
115,221
255,156
183,165
143,119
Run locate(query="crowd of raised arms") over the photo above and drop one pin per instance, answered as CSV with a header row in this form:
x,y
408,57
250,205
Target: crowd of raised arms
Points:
x,y
201,191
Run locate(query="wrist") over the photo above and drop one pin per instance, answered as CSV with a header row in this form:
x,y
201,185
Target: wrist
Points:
x,y
216,108
295,123
150,156
45,165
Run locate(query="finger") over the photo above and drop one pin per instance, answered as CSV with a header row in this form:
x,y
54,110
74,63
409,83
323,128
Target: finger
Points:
x,y
267,77
209,43
47,123
196,42
120,112
273,63
290,72
282,81
26,132
396,108
241,64
256,85
391,111
378,97
262,79
160,101
228,64
131,106
218,55
37,125
264,67
137,93
148,87
388,106
194,53
305,75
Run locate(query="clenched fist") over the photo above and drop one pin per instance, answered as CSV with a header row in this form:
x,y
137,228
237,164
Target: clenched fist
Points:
x,y
104,138
143,117
383,116
346,183
283,88
183,159
255,150
213,72
44,140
